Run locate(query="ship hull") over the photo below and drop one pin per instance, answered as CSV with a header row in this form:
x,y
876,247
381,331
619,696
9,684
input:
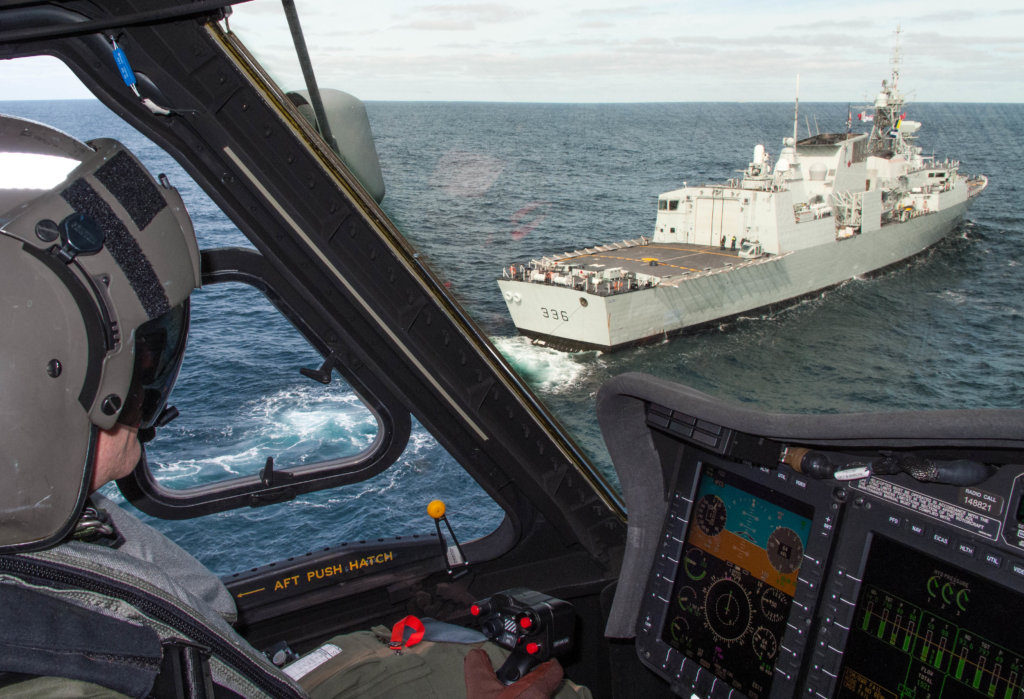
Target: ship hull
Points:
x,y
571,319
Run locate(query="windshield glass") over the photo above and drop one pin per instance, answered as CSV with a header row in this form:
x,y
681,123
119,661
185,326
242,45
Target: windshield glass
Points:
x,y
528,151
509,137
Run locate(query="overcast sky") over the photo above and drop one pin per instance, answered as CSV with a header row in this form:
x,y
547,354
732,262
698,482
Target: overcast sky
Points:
x,y
595,51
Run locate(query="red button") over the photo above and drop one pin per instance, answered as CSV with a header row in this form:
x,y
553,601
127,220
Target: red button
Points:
x,y
525,622
475,610
532,648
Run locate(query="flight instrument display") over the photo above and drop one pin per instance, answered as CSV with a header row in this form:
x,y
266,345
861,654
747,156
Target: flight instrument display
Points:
x,y
847,569
737,576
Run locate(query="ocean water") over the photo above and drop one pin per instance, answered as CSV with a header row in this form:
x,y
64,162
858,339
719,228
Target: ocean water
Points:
x,y
477,185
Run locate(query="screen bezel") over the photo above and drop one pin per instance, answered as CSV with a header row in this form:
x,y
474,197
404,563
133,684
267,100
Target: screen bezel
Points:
x,y
882,554
732,650
670,663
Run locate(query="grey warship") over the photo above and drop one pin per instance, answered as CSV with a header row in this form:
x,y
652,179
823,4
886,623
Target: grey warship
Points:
x,y
831,207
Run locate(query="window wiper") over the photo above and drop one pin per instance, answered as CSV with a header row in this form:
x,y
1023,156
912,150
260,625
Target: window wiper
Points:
x,y
307,73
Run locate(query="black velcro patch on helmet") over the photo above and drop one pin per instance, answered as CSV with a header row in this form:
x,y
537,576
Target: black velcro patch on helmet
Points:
x,y
122,246
123,177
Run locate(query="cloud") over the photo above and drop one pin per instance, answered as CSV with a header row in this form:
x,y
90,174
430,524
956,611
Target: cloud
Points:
x,y
596,50
457,17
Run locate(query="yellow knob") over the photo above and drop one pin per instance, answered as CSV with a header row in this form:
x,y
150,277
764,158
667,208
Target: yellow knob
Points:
x,y
435,509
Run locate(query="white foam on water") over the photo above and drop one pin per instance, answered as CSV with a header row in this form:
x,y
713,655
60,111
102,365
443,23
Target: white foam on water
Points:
x,y
546,370
293,425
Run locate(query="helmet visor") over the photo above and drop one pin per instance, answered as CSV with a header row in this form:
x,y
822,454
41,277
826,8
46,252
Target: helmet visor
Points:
x,y
159,350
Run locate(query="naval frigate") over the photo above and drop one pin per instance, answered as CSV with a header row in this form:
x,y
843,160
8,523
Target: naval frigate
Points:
x,y
831,207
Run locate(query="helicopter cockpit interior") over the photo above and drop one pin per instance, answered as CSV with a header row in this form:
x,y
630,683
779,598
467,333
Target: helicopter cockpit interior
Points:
x,y
739,552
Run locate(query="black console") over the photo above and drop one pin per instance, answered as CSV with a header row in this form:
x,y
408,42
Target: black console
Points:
x,y
794,563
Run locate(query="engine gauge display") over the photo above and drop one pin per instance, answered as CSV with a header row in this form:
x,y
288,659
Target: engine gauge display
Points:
x,y
736,579
943,630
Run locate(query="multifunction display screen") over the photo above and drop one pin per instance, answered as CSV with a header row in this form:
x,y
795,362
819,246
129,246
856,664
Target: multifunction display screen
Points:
x,y
924,628
737,575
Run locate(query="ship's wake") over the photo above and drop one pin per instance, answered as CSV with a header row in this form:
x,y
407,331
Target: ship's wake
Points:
x,y
546,370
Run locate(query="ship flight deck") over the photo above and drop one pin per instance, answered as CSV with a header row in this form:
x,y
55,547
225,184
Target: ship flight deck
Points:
x,y
628,259
669,259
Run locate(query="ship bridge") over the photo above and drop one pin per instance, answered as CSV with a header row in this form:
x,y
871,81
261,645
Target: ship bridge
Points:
x,y
834,148
750,208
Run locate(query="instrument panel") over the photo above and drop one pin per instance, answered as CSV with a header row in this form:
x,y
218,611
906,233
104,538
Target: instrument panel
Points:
x,y
769,582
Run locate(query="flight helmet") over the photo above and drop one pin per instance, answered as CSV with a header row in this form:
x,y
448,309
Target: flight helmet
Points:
x,y
96,267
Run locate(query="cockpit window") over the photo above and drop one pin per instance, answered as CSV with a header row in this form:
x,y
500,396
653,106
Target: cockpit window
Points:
x,y
488,146
521,151
242,398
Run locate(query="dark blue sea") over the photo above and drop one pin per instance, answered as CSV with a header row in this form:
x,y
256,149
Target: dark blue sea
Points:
x,y
476,185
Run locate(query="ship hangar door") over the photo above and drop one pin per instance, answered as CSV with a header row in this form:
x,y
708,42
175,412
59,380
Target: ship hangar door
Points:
x,y
714,217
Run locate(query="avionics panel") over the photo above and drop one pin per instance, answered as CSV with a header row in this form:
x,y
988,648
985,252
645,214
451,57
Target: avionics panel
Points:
x,y
930,629
770,583
736,579
740,565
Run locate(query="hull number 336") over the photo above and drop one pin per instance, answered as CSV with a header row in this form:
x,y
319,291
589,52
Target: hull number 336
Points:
x,y
554,313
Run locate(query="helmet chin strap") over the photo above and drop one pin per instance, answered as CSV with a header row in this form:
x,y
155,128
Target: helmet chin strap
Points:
x,y
147,434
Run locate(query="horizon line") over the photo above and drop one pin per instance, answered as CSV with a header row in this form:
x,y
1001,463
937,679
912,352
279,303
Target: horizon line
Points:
x,y
552,102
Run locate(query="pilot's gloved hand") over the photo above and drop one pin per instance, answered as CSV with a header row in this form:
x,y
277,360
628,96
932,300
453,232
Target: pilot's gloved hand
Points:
x,y
482,683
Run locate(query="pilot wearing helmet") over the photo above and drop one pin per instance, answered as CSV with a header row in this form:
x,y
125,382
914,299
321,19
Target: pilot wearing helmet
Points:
x,y
96,268
97,274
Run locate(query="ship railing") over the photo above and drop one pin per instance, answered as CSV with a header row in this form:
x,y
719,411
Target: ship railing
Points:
x,y
766,184
551,269
553,260
587,282
929,163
